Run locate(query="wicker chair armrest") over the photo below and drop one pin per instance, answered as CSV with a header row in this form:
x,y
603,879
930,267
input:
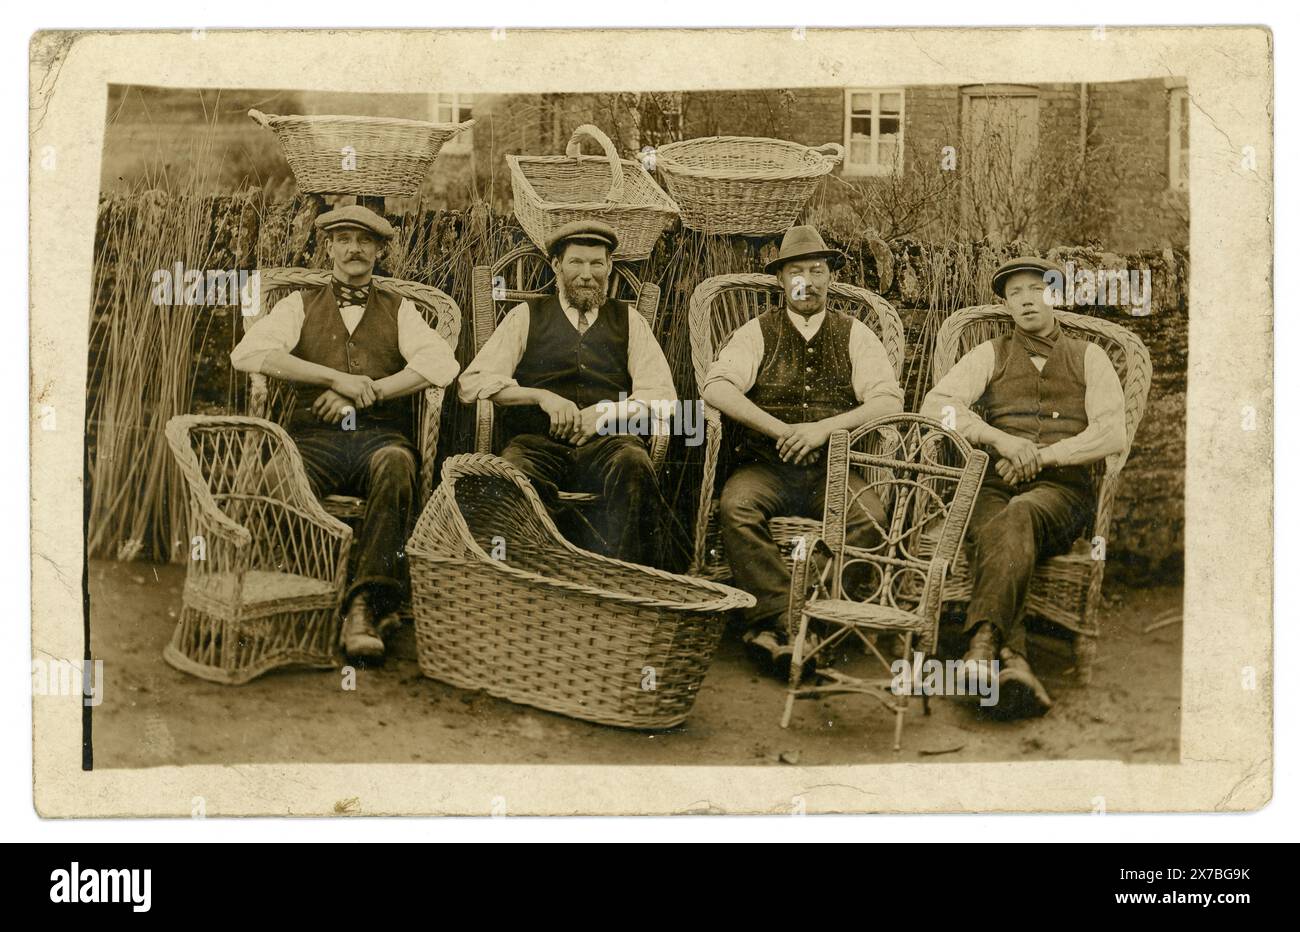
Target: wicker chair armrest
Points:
x,y
484,418
658,451
258,395
321,547
429,433
804,577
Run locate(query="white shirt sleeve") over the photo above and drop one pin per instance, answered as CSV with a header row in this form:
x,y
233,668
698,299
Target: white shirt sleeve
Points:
x,y
494,367
278,331
1103,402
652,379
873,374
950,401
424,351
739,359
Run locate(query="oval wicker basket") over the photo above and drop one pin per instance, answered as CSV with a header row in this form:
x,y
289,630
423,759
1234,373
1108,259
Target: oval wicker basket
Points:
x,y
362,155
743,184
552,190
545,623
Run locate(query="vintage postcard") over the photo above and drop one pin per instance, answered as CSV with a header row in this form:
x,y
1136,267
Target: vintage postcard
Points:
x,y
800,421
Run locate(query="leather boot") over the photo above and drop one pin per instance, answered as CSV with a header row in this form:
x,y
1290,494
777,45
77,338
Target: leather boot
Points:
x,y
361,642
1020,694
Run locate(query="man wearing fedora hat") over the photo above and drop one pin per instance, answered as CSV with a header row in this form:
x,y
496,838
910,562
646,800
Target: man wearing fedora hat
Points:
x,y
357,353
1051,406
790,377
566,367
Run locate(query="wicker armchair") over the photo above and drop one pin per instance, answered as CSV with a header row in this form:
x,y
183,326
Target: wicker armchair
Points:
x,y
525,273
1065,589
274,399
268,563
719,306
927,479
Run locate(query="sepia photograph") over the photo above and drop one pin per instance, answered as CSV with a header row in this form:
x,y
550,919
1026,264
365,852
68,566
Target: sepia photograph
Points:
x,y
761,427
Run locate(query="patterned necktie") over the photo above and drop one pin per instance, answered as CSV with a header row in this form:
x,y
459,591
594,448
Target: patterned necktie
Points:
x,y
583,322
351,294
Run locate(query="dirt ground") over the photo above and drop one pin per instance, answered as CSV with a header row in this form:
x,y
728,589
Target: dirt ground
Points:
x,y
154,715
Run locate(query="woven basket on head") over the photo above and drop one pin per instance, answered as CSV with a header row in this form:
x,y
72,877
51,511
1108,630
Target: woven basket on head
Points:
x,y
503,603
552,190
374,156
743,184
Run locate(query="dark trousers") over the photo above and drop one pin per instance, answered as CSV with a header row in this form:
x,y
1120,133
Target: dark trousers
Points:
x,y
1011,529
617,468
379,464
757,492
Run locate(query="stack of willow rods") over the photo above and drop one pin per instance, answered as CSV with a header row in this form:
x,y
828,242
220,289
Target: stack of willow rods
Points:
x,y
146,373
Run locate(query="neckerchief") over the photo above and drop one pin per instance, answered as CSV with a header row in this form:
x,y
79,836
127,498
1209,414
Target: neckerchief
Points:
x,y
1037,345
347,294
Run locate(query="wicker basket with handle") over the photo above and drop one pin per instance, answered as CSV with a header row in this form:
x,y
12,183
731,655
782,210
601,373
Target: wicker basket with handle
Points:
x,y
743,184
545,623
552,190
374,156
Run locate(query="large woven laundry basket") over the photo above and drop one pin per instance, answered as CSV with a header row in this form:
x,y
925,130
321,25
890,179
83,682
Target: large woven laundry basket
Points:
x,y
743,184
373,156
552,190
504,604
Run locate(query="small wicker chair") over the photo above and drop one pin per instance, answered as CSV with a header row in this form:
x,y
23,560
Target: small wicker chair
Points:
x,y
927,479
719,306
505,604
525,273
1065,589
274,399
268,563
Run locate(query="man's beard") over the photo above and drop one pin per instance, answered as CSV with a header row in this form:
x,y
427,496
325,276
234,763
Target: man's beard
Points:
x,y
584,297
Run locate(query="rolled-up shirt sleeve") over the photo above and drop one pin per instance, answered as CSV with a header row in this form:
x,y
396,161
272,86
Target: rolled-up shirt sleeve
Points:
x,y
1103,402
424,351
278,331
873,374
739,359
652,379
950,401
494,367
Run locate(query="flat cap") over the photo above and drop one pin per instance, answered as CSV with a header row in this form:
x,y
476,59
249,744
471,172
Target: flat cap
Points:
x,y
582,231
354,215
1021,264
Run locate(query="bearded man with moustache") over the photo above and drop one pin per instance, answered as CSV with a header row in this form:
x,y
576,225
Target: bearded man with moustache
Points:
x,y
790,377
357,354
565,369
1052,405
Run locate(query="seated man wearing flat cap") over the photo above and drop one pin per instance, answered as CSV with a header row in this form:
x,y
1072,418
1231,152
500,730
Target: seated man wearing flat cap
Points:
x,y
564,369
1052,405
790,377
356,352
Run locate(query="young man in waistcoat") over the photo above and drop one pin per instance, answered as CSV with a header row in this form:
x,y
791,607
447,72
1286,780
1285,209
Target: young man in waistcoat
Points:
x,y
1052,406
566,371
357,353
791,376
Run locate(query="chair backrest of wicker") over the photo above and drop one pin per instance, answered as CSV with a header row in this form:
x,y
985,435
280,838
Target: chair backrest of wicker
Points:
x,y
721,304
525,273
437,307
967,328
925,479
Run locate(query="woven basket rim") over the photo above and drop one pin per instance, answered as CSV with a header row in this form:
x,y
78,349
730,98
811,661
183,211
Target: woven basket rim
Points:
x,y
663,202
467,465
274,120
811,164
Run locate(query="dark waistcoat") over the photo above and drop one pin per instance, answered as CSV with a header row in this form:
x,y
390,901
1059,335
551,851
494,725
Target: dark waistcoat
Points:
x,y
1042,406
585,368
800,380
370,350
